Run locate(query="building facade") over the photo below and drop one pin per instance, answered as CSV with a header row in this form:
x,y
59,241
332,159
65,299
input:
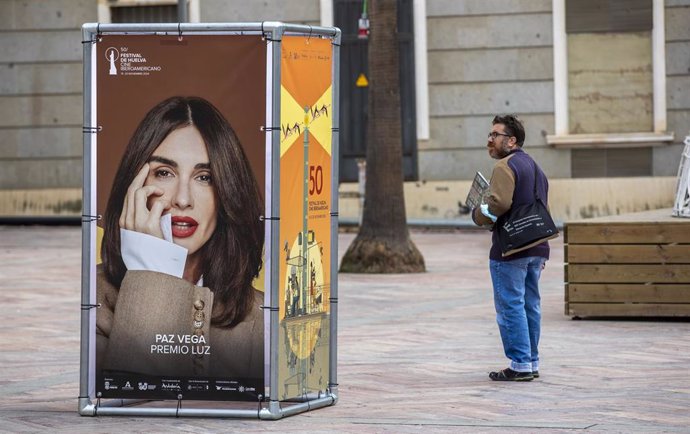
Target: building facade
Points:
x,y
603,87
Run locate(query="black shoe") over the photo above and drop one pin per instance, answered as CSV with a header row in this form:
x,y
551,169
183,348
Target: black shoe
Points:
x,y
535,374
510,375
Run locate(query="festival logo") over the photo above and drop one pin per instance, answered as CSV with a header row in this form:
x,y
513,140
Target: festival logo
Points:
x,y
112,55
126,61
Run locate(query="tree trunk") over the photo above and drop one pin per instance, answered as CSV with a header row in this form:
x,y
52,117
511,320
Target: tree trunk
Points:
x,y
383,244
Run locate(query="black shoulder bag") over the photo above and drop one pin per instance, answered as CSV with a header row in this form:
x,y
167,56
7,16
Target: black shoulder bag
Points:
x,y
525,226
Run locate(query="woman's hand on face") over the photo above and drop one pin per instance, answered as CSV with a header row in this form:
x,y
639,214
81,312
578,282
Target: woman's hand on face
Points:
x,y
136,215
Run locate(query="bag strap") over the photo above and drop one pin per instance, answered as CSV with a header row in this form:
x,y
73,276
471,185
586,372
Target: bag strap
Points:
x,y
536,193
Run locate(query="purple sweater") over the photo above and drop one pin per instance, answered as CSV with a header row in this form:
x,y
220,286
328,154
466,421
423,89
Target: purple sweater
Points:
x,y
512,184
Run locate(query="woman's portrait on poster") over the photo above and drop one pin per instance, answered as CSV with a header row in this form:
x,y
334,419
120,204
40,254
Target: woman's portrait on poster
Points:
x,y
183,242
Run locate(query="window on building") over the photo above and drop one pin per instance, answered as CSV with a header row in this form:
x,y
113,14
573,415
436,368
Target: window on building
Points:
x,y
144,11
609,84
144,14
609,47
353,99
609,163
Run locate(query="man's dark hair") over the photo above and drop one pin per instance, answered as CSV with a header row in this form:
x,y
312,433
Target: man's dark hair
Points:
x,y
513,126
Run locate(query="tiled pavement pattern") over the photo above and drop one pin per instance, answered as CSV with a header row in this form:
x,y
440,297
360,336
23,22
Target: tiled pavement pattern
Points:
x,y
414,353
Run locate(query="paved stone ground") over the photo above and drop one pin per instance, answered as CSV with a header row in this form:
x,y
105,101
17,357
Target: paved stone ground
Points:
x,y
414,352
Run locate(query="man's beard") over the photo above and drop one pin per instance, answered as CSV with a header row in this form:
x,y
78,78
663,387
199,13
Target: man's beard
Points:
x,y
501,151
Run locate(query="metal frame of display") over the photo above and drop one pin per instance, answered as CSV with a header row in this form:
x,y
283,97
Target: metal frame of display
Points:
x,y
681,207
271,408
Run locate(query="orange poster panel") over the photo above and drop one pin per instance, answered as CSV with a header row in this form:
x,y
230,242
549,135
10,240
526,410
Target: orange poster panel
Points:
x,y
305,207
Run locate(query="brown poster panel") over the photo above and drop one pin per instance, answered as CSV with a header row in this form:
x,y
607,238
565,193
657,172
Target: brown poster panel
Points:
x,y
305,206
180,185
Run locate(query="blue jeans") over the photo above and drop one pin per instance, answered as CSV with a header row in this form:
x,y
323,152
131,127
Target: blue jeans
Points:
x,y
518,310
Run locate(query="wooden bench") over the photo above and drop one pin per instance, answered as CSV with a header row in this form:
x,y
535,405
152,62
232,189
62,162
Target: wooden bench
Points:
x,y
628,265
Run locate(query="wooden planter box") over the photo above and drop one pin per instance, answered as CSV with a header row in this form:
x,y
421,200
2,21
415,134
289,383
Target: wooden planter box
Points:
x,y
628,265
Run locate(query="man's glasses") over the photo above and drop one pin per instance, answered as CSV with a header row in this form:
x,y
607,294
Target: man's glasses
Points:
x,y
492,135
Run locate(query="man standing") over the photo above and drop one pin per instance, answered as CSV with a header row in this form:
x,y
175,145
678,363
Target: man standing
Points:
x,y
515,278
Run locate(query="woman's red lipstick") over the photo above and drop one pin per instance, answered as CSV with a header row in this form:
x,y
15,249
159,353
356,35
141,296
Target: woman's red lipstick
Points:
x,y
183,227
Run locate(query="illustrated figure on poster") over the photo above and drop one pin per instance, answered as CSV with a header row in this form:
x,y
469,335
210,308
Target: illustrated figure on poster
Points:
x,y
183,241
294,292
312,287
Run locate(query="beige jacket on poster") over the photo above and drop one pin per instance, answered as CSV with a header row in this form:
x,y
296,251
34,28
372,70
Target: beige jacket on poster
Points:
x,y
143,327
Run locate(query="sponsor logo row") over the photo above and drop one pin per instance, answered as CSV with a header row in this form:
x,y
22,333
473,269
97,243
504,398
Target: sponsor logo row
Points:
x,y
175,385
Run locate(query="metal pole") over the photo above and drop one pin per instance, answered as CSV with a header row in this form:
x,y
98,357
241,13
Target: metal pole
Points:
x,y
87,316
335,182
361,185
277,30
182,11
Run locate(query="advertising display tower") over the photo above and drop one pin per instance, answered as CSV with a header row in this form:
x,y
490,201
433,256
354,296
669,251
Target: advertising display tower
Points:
x,y
210,217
